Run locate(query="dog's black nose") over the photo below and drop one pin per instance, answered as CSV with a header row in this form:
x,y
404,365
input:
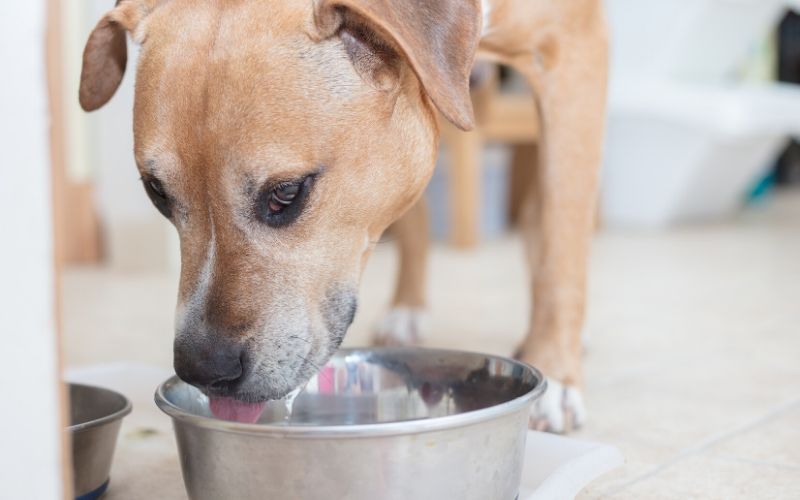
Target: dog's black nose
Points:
x,y
208,362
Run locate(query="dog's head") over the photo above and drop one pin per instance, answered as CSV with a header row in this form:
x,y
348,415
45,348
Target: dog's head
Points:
x,y
280,138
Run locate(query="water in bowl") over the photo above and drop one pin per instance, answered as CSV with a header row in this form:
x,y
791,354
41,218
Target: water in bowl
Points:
x,y
288,403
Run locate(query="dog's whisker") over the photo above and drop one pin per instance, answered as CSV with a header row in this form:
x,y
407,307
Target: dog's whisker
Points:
x,y
318,368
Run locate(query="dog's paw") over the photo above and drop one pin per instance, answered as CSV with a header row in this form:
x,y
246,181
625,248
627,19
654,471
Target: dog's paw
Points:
x,y
560,409
402,326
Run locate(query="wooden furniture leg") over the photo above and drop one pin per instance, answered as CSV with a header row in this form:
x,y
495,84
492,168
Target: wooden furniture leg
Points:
x,y
524,159
464,172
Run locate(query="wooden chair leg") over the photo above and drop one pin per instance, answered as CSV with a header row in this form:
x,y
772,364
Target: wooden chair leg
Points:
x,y
464,171
524,162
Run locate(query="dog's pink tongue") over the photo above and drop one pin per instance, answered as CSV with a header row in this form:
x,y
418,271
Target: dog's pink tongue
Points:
x,y
235,410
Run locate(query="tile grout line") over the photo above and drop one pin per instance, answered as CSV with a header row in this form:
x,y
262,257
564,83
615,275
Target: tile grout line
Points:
x,y
735,458
707,443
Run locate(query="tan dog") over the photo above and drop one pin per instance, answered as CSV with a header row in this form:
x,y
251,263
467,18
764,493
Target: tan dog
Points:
x,y
282,137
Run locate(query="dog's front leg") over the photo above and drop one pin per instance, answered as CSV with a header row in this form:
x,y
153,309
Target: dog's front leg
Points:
x,y
406,320
568,73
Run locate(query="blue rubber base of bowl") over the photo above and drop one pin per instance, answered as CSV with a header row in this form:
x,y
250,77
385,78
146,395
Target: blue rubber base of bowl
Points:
x,y
94,494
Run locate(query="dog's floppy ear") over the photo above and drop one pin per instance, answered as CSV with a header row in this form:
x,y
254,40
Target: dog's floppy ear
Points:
x,y
437,38
106,52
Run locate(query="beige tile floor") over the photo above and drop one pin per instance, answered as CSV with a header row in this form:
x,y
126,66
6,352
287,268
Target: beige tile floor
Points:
x,y
693,355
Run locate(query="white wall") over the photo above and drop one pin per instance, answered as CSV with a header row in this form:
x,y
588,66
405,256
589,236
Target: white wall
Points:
x,y
695,40
29,410
101,149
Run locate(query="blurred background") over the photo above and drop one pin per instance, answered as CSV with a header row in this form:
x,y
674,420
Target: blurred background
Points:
x,y
692,339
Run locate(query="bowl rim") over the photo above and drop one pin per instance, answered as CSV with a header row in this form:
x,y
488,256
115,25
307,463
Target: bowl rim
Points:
x,y
97,422
414,426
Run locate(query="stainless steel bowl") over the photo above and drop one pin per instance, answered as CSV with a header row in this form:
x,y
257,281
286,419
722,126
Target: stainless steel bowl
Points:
x,y
392,423
95,418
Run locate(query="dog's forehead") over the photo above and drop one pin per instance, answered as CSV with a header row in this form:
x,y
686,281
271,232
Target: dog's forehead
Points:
x,y
245,77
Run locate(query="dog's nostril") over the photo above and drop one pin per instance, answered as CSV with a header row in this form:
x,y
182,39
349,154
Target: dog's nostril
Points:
x,y
213,364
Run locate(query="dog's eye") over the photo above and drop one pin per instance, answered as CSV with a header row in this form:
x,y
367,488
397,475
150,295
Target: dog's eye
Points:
x,y
281,204
283,196
155,190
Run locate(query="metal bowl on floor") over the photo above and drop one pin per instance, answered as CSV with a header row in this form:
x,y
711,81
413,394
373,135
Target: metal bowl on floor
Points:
x,y
389,423
95,418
